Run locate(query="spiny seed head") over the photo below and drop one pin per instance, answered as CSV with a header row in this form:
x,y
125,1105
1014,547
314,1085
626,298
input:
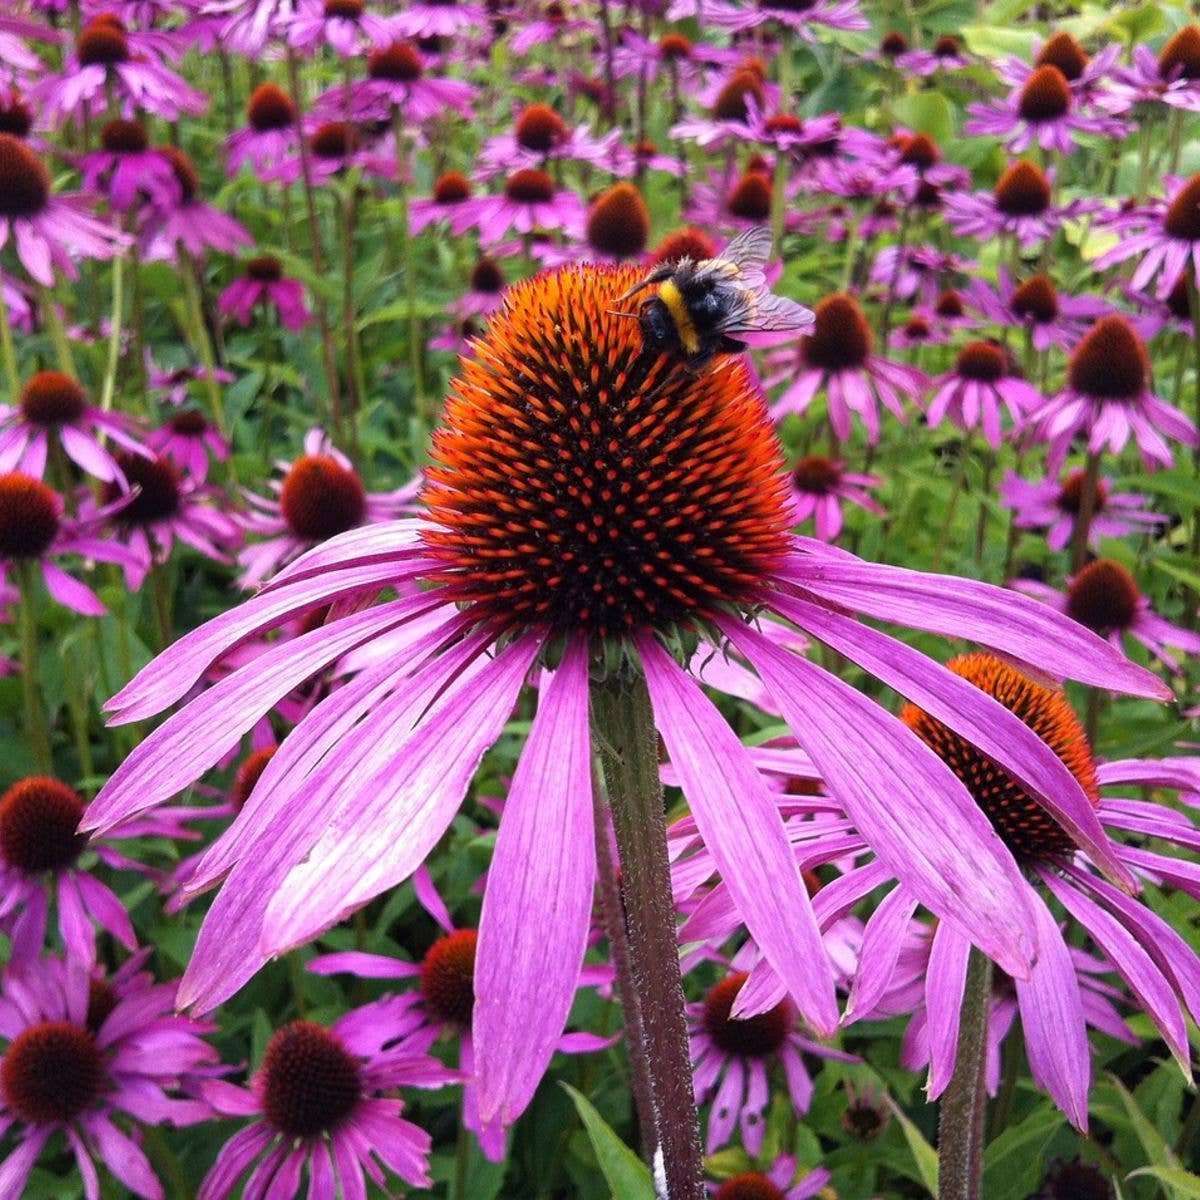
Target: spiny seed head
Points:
x,y
448,977
159,496
920,151
1070,496
1065,53
893,44
398,63
39,819
188,422
16,117
124,137
750,198
688,242
1181,54
1104,597
102,44
321,498
310,1082
750,1185
947,46
248,775
52,1073
451,187
270,108
1024,826
265,268
841,338
487,277
1023,190
185,172
29,516
335,139
1046,96
52,398
1110,362
949,304
1182,219
730,104
529,186
539,128
580,484
754,1037
1036,299
619,222
674,46
24,180
982,361
817,475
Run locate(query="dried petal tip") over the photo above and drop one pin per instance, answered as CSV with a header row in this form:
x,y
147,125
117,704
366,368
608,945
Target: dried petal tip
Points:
x,y
619,222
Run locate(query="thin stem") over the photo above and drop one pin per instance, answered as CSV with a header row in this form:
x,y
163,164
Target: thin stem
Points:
x,y
462,1162
78,695
58,335
960,477
960,1118
349,330
8,352
416,348
985,491
35,712
160,587
191,291
1087,510
624,734
779,183
116,322
618,945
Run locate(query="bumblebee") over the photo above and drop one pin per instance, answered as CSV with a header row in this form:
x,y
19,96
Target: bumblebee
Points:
x,y
700,309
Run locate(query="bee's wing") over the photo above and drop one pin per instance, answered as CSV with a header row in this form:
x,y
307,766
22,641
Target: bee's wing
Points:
x,y
762,312
749,249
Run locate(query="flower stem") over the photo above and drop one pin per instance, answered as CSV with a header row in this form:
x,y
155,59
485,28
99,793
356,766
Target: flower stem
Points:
x,y
191,290
613,909
35,712
779,183
8,352
960,1119
349,329
58,335
624,734
960,477
416,347
1087,510
116,324
160,587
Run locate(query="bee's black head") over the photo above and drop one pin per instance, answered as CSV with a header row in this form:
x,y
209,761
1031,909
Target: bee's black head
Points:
x,y
658,328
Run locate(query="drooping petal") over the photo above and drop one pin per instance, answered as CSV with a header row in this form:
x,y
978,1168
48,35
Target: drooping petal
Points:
x,y
945,979
907,804
740,824
537,907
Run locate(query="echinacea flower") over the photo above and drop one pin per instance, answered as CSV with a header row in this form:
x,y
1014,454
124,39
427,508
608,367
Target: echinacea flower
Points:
x,y
399,77
1171,77
34,530
1088,76
539,138
732,1057
799,16
1104,597
270,134
188,222
1107,399
126,169
1160,969
530,201
320,495
779,1183
1049,316
620,499
972,394
50,232
1041,111
946,54
335,147
324,1101
347,27
618,223
838,356
433,19
53,410
189,440
263,283
1164,235
820,486
1021,204
1053,505
88,1056
451,191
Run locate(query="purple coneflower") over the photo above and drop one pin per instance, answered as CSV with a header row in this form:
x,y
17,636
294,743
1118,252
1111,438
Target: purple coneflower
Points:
x,y
1087,75
1163,234
1041,111
263,283
324,1101
972,394
433,19
820,486
485,291
1020,204
679,519
319,495
1053,505
53,410
733,1055
918,273
334,147
33,530
1103,597
270,133
88,1053
1036,305
674,55
946,54
188,222
49,232
838,356
539,137
451,191
1107,398
347,27
1171,77
189,439
126,170
798,16
530,201
779,1183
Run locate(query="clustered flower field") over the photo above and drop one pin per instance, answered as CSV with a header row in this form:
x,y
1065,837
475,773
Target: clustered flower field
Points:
x,y
482,715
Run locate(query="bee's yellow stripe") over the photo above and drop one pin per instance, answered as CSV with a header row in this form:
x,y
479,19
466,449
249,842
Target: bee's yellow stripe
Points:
x,y
672,297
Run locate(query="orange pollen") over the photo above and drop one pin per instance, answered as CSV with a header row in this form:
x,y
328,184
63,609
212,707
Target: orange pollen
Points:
x,y
1021,822
579,483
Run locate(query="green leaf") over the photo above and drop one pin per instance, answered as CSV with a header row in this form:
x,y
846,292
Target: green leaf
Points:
x,y
1014,1163
1155,1145
989,42
926,112
924,1155
1183,1184
624,1172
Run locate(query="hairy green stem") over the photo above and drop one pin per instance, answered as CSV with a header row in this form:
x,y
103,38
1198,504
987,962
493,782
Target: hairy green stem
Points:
x,y
416,347
58,335
35,711
8,353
